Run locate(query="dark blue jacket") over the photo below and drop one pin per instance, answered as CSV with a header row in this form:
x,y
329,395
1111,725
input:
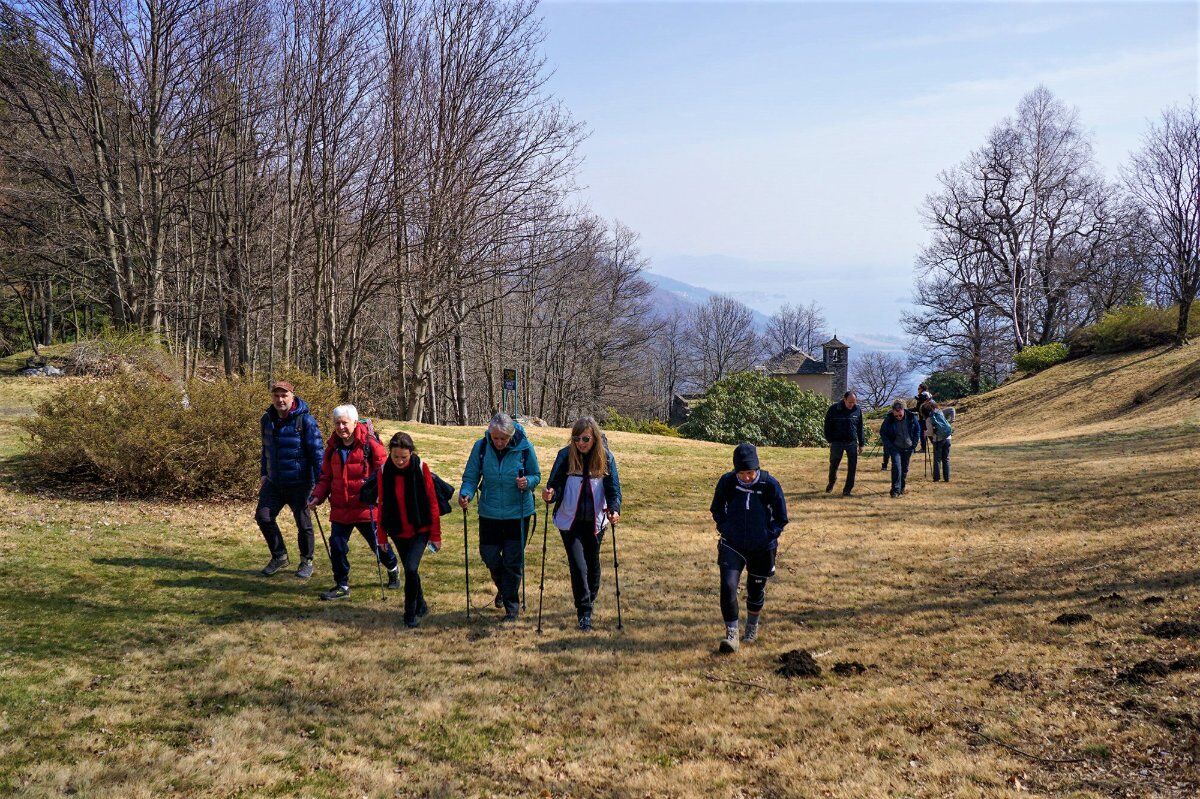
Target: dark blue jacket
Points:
x,y
844,426
892,432
292,450
749,518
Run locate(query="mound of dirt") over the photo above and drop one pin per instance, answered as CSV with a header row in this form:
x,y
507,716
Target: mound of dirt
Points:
x,y
1138,673
848,668
1176,629
1072,618
1154,600
1112,600
1016,680
798,663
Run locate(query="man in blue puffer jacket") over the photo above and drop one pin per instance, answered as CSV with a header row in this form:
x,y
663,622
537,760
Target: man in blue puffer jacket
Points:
x,y
750,512
290,465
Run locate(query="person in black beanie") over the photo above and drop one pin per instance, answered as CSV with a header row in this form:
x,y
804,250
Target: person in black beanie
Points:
x,y
750,512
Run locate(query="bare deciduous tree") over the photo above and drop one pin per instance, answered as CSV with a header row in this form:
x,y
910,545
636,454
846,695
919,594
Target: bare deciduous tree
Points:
x,y
878,377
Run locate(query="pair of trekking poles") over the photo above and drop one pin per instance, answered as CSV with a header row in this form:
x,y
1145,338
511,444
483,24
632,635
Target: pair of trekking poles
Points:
x,y
542,580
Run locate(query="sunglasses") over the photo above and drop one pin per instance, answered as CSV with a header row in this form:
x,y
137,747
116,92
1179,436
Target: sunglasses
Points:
x,y
583,439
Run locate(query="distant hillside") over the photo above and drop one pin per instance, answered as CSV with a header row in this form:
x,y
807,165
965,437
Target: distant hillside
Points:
x,y
1151,388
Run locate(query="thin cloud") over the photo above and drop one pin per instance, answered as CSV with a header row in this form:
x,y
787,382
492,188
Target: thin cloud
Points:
x,y
967,34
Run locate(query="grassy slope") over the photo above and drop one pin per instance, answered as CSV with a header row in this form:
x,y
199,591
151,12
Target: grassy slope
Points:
x,y
141,656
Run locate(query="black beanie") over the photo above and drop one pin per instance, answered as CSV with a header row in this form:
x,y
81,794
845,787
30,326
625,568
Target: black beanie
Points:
x,y
745,458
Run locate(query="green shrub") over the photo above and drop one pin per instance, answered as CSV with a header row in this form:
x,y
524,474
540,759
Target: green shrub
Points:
x,y
615,420
137,434
1037,357
1135,327
762,410
115,353
947,384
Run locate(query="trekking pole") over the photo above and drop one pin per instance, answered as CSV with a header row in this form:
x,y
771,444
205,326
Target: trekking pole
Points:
x,y
466,563
524,541
378,560
926,461
324,540
542,582
617,577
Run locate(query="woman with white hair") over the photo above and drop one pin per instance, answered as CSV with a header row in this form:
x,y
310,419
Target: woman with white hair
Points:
x,y
352,455
503,470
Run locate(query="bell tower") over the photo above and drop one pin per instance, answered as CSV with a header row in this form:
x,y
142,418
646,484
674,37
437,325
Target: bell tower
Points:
x,y
837,360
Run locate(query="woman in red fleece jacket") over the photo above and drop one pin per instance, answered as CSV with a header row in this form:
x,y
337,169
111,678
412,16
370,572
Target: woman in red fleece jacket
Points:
x,y
410,514
351,456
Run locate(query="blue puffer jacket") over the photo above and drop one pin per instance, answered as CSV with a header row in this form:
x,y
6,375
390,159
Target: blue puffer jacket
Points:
x,y
496,483
749,518
292,449
893,433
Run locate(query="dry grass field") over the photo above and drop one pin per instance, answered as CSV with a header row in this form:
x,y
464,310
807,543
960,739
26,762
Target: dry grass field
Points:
x,y
142,656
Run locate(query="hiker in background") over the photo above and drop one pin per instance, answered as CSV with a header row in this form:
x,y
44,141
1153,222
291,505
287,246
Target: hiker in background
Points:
x,y
289,465
749,509
900,432
503,469
844,432
923,398
586,492
352,455
412,500
939,428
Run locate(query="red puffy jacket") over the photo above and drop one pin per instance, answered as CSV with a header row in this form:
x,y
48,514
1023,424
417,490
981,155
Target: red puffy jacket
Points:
x,y
340,482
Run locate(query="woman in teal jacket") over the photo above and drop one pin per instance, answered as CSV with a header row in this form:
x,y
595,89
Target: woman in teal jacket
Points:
x,y
503,470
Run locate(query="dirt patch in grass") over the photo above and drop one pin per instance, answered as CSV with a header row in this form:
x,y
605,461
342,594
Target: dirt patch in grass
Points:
x,y
1016,680
848,668
1070,619
798,663
1176,629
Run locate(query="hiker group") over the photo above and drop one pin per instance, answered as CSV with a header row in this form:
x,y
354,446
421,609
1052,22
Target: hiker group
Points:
x,y
398,504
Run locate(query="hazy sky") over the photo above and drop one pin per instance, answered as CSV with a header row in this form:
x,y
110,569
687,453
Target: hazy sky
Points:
x,y
781,151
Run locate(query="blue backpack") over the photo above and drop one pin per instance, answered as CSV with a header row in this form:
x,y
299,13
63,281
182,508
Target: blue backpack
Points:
x,y
943,428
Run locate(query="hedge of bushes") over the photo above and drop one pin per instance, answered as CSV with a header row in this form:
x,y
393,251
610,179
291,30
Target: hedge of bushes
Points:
x,y
141,434
1037,357
614,420
1136,327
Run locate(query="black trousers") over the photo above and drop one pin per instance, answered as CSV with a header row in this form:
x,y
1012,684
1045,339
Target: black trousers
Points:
x,y
502,547
271,500
409,551
759,566
583,560
835,460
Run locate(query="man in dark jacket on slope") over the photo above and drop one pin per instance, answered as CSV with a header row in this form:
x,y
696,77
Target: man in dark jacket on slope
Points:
x,y
844,432
900,432
750,512
291,463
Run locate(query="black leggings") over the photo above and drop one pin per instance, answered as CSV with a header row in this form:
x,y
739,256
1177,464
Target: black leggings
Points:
x,y
409,551
583,559
759,566
502,547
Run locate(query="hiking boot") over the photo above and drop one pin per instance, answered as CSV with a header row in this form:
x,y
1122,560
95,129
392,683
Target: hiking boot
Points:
x,y
509,617
275,564
306,569
498,601
394,578
585,623
412,623
895,494
847,492
337,592
751,633
422,609
730,643
829,487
